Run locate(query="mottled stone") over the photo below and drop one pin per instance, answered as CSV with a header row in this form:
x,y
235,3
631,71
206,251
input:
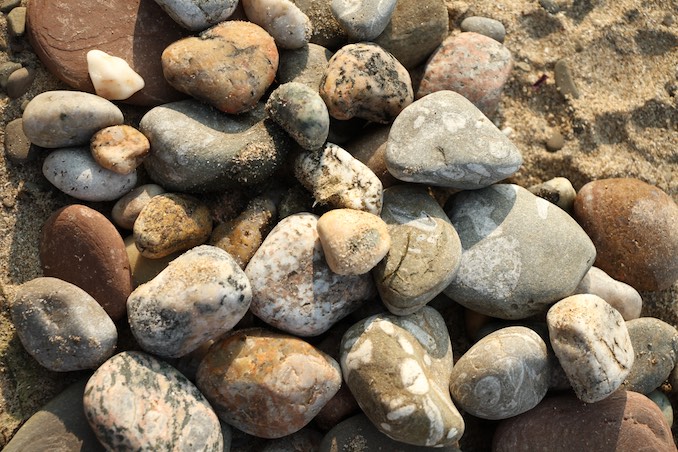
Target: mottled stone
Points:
x,y
18,148
61,326
370,148
513,244
196,15
365,20
267,384
293,287
398,368
137,402
425,250
619,295
304,65
126,210
365,81
326,30
655,344
633,225
485,26
19,82
143,268
120,149
457,146
282,19
558,191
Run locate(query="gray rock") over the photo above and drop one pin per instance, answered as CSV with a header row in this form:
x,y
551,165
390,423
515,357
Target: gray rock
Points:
x,y
619,295
521,253
655,344
364,20
484,26
664,404
197,15
282,19
305,65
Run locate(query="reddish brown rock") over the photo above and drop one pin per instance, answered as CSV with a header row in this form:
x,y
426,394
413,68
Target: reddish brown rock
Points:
x,y
63,31
634,227
625,421
81,246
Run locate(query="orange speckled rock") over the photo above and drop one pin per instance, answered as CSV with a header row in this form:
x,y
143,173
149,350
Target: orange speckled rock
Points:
x,y
119,148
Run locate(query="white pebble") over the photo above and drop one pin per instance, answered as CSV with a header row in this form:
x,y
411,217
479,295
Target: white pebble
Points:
x,y
112,77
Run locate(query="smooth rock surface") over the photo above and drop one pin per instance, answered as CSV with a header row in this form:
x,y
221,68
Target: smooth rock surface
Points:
x,y
558,191
619,295
282,19
120,148
304,65
112,77
126,210
655,344
19,82
485,26
196,15
18,147
365,20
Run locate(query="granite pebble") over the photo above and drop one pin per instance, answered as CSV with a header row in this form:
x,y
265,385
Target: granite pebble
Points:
x,y
120,148
619,295
282,19
126,210
196,15
655,344
365,20
485,26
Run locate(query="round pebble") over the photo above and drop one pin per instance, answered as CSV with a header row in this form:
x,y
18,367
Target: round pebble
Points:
x,y
485,26
196,15
282,19
18,147
6,69
619,295
120,149
655,344
664,404
555,142
19,82
126,210
363,21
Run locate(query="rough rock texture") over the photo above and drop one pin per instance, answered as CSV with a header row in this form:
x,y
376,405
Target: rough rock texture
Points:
x,y
120,149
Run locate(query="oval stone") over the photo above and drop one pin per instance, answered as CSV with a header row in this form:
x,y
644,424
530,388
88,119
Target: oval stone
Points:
x,y
485,26
126,210
196,15
655,344
120,149
282,19
363,21
619,295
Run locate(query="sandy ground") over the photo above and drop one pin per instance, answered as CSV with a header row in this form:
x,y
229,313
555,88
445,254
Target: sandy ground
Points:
x,y
624,58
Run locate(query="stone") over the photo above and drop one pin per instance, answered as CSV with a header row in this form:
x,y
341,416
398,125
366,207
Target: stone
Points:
x,y
504,374
633,225
365,20
457,145
558,191
624,421
282,19
336,178
473,65
6,69
74,171
16,22
664,404
304,65
8,5
196,15
326,30
301,112
120,149
112,77
619,295
18,148
81,246
485,26
57,119
61,32
338,408
370,149
305,439
267,384
229,66
555,142
425,250
364,81
513,244
171,222
143,268
398,368
293,288
137,402
564,80
201,295
195,148
655,344
19,82
61,326
126,210
592,343
353,241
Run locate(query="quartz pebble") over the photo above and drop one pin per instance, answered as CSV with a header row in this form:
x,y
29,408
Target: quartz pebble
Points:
x,y
592,343
120,149
619,295
485,26
127,209
282,19
365,20
196,15
111,76
61,326
655,344
18,148
137,402
19,82
304,65
558,191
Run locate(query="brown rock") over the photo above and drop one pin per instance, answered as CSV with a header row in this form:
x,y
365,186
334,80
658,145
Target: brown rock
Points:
x,y
370,148
80,246
120,148
634,228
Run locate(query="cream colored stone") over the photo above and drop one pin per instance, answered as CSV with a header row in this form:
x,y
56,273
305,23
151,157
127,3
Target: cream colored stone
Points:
x,y
112,77
619,295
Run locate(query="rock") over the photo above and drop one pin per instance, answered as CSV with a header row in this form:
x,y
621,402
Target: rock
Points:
x,y
6,69
112,77
301,112
267,384
293,288
504,374
282,19
305,439
195,148
229,66
127,209
551,6
363,21
201,295
137,402
365,81
425,250
326,30
16,22
633,225
398,368
8,5
555,142
624,421
655,344
336,178
74,171
61,326
513,243
564,80
18,148
664,404
558,191
304,65
81,246
484,26
196,15
353,241
592,343
57,119
120,149
338,408
473,65
136,31
143,268
370,149
620,296
19,82
171,222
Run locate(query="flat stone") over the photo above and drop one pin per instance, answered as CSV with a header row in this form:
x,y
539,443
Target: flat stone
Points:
x,y
120,149
19,82
196,15
18,148
304,65
485,26
619,295
365,20
655,344
282,19
126,210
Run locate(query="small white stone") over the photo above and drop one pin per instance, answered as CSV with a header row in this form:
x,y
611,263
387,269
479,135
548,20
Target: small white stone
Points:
x,y
112,77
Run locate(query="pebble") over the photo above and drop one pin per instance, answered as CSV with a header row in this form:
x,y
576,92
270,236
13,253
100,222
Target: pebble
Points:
x,y
485,26
365,20
201,295
664,404
195,148
555,142
398,368
56,119
471,64
564,80
282,19
619,295
305,65
61,326
8,5
137,402
81,246
514,243
6,69
551,6
301,112
112,77
267,384
425,250
365,81
304,440
74,171
145,269
558,191
126,210
457,146
592,343
633,226
655,344
326,30
353,241
335,178
19,82
120,149
293,288
370,149
18,148
340,407
504,374
229,66
16,22
196,15
624,421
171,222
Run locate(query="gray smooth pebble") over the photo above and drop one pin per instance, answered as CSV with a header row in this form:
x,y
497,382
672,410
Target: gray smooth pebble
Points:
x,y
196,15
363,20
485,26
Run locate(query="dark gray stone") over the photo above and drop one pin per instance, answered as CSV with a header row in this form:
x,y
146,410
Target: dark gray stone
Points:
x,y
655,344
